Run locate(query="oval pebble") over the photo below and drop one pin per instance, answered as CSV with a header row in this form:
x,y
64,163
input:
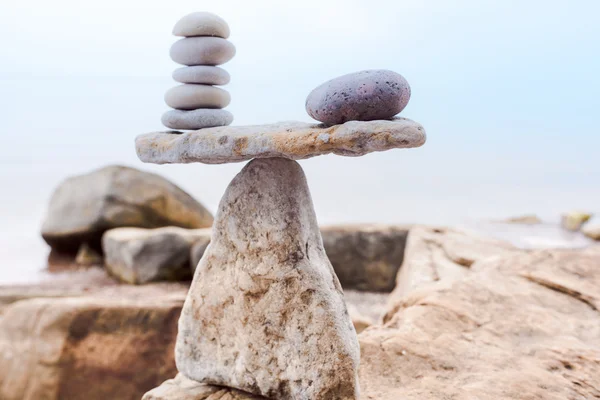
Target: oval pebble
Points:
x,y
201,24
196,119
204,74
202,50
191,96
360,96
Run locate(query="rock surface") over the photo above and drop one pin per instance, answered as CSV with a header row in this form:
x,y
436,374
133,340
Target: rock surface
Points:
x,y
197,251
83,207
278,325
360,96
137,256
574,220
365,257
193,96
525,326
530,219
205,74
202,51
436,255
592,229
87,256
291,140
201,24
92,348
182,388
196,119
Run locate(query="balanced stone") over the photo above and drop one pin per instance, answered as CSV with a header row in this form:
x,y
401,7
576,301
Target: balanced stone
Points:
x,y
361,96
205,74
202,51
291,139
201,24
196,119
193,96
265,312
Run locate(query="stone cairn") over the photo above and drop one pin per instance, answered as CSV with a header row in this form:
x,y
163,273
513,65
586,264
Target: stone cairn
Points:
x,y
265,313
197,102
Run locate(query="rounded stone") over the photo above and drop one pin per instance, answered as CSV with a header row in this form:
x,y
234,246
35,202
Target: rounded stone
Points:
x,y
192,96
204,74
196,119
360,96
202,51
201,24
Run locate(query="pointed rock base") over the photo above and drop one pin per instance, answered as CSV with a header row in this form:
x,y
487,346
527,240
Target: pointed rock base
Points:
x,y
265,313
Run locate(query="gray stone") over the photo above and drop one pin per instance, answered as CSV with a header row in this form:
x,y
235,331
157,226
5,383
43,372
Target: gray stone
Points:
x,y
360,96
196,119
202,51
291,140
198,249
365,257
192,96
83,207
204,74
138,256
265,312
201,24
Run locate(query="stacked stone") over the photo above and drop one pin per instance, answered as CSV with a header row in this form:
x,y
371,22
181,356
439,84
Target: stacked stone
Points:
x,y
198,103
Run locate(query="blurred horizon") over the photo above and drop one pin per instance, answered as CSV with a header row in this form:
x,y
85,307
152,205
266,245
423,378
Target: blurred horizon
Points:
x,y
507,92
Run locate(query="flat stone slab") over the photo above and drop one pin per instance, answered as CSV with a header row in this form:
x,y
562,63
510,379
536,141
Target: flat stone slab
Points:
x,y
292,140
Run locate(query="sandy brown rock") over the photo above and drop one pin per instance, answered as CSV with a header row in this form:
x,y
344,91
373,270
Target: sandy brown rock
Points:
x,y
137,255
88,256
87,347
291,140
523,326
83,207
277,326
365,257
574,220
436,255
182,388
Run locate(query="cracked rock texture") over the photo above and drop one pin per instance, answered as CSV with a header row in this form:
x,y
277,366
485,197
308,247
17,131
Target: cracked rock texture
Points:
x,y
437,255
182,388
521,326
292,140
277,325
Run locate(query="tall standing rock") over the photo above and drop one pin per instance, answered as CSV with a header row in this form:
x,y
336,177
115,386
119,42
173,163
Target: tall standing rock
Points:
x,y
265,312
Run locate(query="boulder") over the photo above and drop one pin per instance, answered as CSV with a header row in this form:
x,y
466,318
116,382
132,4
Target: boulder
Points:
x,y
198,249
521,326
89,347
592,229
435,255
265,313
137,255
83,207
574,220
182,388
365,257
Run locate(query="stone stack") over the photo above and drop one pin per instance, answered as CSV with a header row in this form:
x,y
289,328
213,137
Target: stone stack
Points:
x,y
198,103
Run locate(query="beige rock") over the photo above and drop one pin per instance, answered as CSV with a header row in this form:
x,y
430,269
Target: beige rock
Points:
x,y
87,256
530,219
574,220
202,51
592,229
277,326
522,326
291,140
87,347
182,388
438,256
365,257
193,96
136,255
83,207
201,24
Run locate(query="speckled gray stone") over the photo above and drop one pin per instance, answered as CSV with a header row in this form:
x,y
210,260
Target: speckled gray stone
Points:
x,y
202,51
204,74
193,96
361,96
292,140
196,119
201,24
